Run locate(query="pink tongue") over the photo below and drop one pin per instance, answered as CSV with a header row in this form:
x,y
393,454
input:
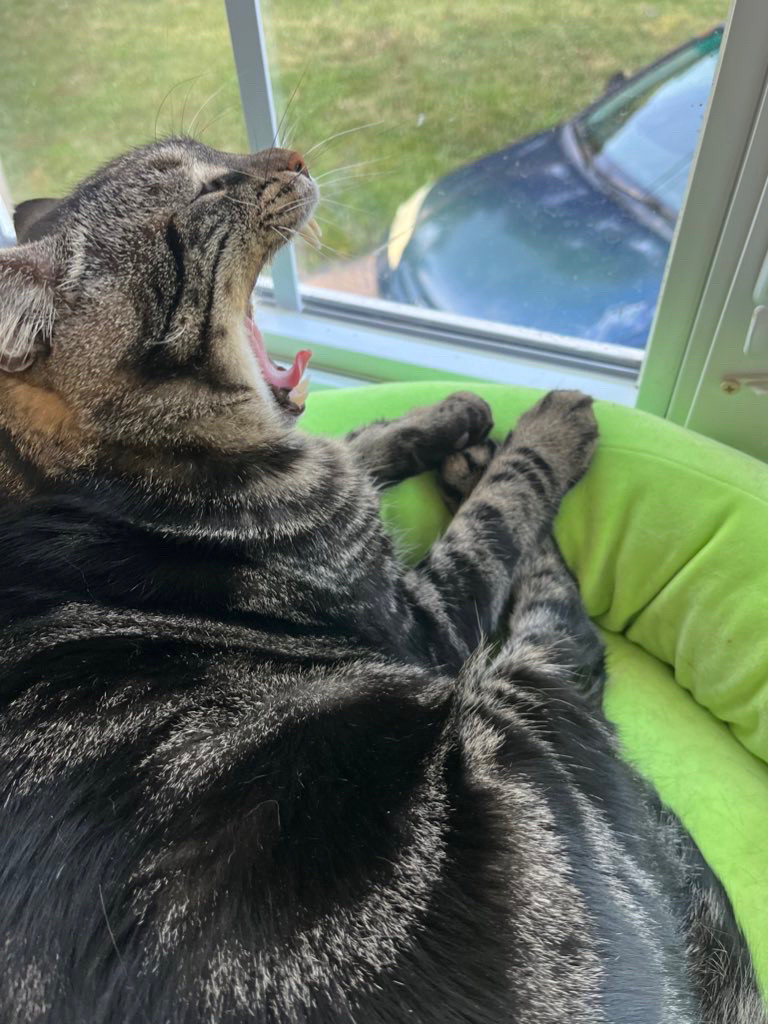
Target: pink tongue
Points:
x,y
272,375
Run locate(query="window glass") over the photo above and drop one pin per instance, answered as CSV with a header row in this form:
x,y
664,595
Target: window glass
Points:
x,y
644,136
469,157
495,159
82,80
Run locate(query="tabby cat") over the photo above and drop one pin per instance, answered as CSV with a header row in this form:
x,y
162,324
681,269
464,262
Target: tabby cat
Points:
x,y
252,768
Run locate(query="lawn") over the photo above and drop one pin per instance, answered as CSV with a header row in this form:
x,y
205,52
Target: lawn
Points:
x,y
444,81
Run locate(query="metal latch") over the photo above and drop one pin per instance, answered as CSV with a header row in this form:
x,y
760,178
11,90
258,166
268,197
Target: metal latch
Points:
x,y
733,382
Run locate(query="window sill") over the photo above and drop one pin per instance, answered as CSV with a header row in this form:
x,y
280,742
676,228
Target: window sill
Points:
x,y
363,341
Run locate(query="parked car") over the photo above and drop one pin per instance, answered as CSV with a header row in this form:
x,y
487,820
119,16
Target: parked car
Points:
x,y
568,230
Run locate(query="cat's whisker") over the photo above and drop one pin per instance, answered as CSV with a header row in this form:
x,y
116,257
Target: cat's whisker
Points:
x,y
348,167
186,100
338,135
323,247
253,177
353,178
336,252
334,202
290,133
312,240
191,129
293,206
242,202
164,100
279,232
302,76
389,126
345,175
209,124
173,116
399,234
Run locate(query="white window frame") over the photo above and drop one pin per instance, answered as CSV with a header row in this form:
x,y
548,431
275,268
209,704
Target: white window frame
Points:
x,y
715,218
356,338
7,234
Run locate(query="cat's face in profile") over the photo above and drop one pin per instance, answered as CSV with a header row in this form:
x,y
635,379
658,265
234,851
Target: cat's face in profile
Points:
x,y
124,306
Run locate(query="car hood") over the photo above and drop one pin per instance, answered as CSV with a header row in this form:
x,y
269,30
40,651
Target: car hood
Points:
x,y
525,236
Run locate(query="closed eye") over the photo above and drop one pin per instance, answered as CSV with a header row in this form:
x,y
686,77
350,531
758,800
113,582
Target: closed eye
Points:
x,y
220,183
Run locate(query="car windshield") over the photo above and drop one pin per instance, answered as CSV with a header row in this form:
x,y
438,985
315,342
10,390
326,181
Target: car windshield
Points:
x,y
642,136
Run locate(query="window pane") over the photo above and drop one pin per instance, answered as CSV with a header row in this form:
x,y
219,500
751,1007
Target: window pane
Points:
x,y
644,135
521,162
82,80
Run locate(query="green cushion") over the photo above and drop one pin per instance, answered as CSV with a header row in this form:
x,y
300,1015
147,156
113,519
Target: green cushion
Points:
x,y
668,535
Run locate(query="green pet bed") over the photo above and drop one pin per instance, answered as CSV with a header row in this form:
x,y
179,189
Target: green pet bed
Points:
x,y
668,536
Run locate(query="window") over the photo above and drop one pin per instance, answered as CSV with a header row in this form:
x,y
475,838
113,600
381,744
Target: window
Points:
x,y
82,80
708,359
448,92
497,162
642,138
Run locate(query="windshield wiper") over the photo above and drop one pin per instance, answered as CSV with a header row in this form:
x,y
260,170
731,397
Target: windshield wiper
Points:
x,y
611,174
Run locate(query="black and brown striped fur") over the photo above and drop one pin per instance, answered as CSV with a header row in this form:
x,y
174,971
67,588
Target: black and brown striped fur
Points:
x,y
253,769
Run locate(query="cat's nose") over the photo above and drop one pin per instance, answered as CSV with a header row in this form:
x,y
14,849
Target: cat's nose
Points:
x,y
295,162
276,159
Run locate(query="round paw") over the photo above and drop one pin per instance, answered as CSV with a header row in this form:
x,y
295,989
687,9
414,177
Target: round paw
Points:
x,y
462,419
560,429
460,472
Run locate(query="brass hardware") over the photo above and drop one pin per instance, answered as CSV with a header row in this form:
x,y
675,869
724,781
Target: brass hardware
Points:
x,y
757,382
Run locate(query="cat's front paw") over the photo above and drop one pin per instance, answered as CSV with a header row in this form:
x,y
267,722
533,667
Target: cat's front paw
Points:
x,y
461,419
461,471
561,432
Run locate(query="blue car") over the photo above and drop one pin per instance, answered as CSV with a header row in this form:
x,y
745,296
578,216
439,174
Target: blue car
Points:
x,y
566,231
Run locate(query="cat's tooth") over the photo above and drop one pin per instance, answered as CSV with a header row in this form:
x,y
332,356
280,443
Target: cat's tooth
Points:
x,y
312,231
299,394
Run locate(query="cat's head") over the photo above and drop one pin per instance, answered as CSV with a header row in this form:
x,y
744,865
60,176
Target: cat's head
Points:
x,y
124,309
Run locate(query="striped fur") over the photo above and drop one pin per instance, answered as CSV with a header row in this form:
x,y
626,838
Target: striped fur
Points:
x,y
254,769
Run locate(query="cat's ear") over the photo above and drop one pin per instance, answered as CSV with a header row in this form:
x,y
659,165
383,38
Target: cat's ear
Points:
x,y
35,218
26,305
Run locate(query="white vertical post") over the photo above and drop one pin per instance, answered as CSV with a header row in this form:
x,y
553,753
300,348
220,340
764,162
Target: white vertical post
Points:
x,y
725,135
7,234
249,47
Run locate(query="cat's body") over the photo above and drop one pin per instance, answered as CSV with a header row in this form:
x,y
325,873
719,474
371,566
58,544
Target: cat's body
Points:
x,y
252,769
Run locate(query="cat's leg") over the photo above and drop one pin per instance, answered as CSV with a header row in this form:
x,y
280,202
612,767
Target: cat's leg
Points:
x,y
549,620
465,581
392,450
550,634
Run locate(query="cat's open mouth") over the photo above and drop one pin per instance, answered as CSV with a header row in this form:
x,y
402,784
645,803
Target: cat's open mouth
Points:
x,y
290,386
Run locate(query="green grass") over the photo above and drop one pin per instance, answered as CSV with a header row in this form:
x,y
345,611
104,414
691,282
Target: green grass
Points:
x,y
81,80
